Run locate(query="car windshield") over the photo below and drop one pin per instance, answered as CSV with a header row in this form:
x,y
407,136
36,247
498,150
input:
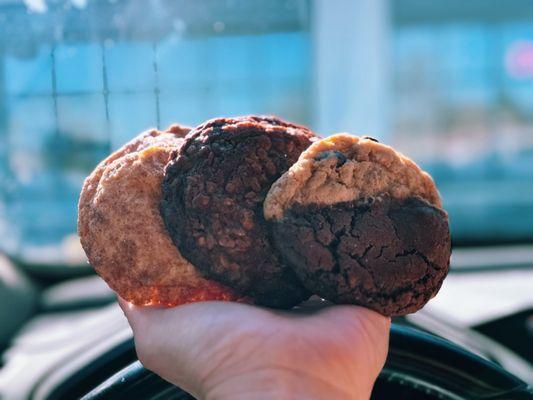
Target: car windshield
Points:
x,y
450,84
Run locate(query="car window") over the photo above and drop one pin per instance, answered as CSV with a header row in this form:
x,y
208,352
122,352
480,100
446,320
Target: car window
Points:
x,y
450,85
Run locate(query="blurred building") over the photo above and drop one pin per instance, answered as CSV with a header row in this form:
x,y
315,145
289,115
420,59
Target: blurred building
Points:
x,y
449,83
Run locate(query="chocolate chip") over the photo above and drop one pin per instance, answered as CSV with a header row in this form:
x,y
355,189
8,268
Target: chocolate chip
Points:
x,y
341,158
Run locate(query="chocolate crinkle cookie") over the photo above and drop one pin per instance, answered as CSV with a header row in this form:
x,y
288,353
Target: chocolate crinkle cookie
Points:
x,y
212,206
361,224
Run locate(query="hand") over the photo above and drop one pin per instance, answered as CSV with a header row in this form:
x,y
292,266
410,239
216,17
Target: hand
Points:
x,y
223,350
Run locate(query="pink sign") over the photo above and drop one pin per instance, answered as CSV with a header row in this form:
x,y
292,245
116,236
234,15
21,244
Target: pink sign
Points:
x,y
519,59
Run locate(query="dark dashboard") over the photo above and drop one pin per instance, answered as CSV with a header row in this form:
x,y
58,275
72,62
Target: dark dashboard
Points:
x,y
79,345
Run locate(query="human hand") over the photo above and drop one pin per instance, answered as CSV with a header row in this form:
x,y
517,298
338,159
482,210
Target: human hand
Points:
x,y
224,350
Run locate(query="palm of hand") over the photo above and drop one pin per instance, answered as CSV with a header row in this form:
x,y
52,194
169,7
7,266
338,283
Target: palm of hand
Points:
x,y
218,350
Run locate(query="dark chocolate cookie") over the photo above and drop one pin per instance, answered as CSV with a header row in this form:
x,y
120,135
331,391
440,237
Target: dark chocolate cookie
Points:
x,y
382,253
361,224
212,206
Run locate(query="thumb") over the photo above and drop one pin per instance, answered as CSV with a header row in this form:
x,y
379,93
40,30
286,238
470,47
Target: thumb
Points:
x,y
371,330
365,330
140,318
377,329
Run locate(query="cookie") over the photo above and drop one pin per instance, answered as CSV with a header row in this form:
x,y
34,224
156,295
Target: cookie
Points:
x,y
361,224
122,232
212,205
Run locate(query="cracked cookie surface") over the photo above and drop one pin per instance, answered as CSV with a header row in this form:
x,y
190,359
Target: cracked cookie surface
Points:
x,y
212,205
123,234
361,224
382,253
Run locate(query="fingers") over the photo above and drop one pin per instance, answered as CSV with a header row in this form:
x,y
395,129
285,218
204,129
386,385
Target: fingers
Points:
x,y
129,310
376,329
124,305
140,317
362,326
361,314
373,325
181,344
150,328
378,321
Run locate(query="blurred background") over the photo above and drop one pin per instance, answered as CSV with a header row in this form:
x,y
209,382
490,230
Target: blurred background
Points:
x,y
449,83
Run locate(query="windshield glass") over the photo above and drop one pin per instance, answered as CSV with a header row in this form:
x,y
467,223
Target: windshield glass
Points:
x,y
450,84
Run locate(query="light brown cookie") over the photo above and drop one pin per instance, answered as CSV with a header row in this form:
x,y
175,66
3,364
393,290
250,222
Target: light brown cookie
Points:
x,y
122,231
342,168
362,224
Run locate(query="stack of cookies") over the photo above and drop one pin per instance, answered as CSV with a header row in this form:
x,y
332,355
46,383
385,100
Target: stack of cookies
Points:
x,y
259,210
